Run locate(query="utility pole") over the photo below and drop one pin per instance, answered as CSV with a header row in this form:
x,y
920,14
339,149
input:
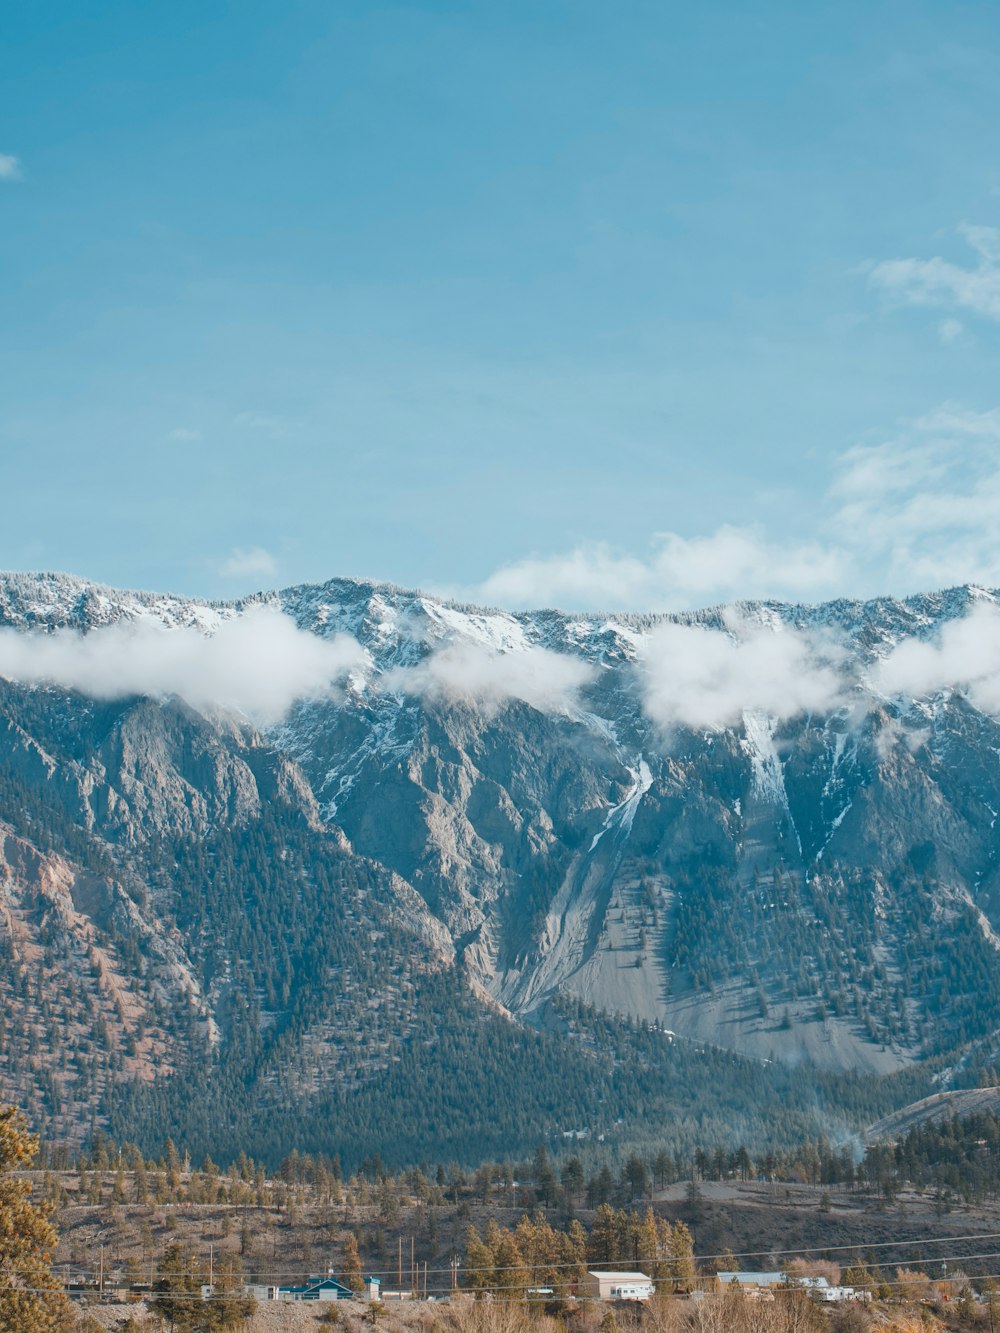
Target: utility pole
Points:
x,y
100,1279
399,1270
211,1265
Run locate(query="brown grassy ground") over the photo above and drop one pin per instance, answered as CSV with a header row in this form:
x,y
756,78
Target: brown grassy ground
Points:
x,y
757,1222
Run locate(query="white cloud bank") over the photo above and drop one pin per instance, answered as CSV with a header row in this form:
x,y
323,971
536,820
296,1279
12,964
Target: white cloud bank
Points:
x,y
706,679
257,664
472,674
690,676
679,571
965,657
702,678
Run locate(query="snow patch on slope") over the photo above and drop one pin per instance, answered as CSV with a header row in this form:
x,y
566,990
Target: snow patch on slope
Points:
x,y
622,815
495,630
768,781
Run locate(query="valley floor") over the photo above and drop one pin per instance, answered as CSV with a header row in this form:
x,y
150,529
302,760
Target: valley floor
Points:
x,y
755,1225
755,1222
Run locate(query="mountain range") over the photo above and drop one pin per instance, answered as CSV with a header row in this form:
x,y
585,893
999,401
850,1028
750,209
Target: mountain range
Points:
x,y
511,876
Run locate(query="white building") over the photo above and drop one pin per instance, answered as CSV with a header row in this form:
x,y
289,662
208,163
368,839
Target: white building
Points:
x,y
261,1291
629,1286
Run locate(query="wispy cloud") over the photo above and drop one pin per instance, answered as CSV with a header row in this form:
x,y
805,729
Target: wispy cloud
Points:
x,y
942,283
184,434
678,571
914,511
245,562
273,426
950,330
921,508
257,664
911,511
472,674
10,167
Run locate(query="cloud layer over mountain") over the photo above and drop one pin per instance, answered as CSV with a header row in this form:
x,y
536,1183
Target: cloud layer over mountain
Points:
x,y
965,657
258,663
705,678
472,674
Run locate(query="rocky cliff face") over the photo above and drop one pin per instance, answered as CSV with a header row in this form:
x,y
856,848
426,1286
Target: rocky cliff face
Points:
x,y
788,888
822,888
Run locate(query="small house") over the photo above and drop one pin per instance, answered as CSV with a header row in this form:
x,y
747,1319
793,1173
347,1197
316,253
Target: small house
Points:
x,y
322,1289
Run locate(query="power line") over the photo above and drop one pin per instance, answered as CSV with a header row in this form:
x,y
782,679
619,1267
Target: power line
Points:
x,y
596,1265
789,1289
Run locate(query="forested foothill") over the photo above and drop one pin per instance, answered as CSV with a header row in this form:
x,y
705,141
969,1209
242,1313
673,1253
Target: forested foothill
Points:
x,y
507,1243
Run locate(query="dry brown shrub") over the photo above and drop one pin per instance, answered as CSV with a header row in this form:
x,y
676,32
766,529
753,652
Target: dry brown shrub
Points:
x,y
851,1318
736,1312
707,1316
912,1285
664,1314
467,1315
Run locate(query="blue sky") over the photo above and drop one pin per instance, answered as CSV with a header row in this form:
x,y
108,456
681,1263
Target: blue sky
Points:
x,y
635,304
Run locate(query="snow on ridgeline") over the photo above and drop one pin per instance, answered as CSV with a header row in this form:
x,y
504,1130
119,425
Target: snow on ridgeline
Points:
x,y
701,670
63,601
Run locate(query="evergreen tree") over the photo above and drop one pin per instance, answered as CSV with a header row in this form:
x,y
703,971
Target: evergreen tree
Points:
x,y
604,1244
646,1242
574,1252
635,1176
178,1289
544,1176
184,1297
509,1270
30,1298
478,1267
682,1266
572,1177
351,1275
